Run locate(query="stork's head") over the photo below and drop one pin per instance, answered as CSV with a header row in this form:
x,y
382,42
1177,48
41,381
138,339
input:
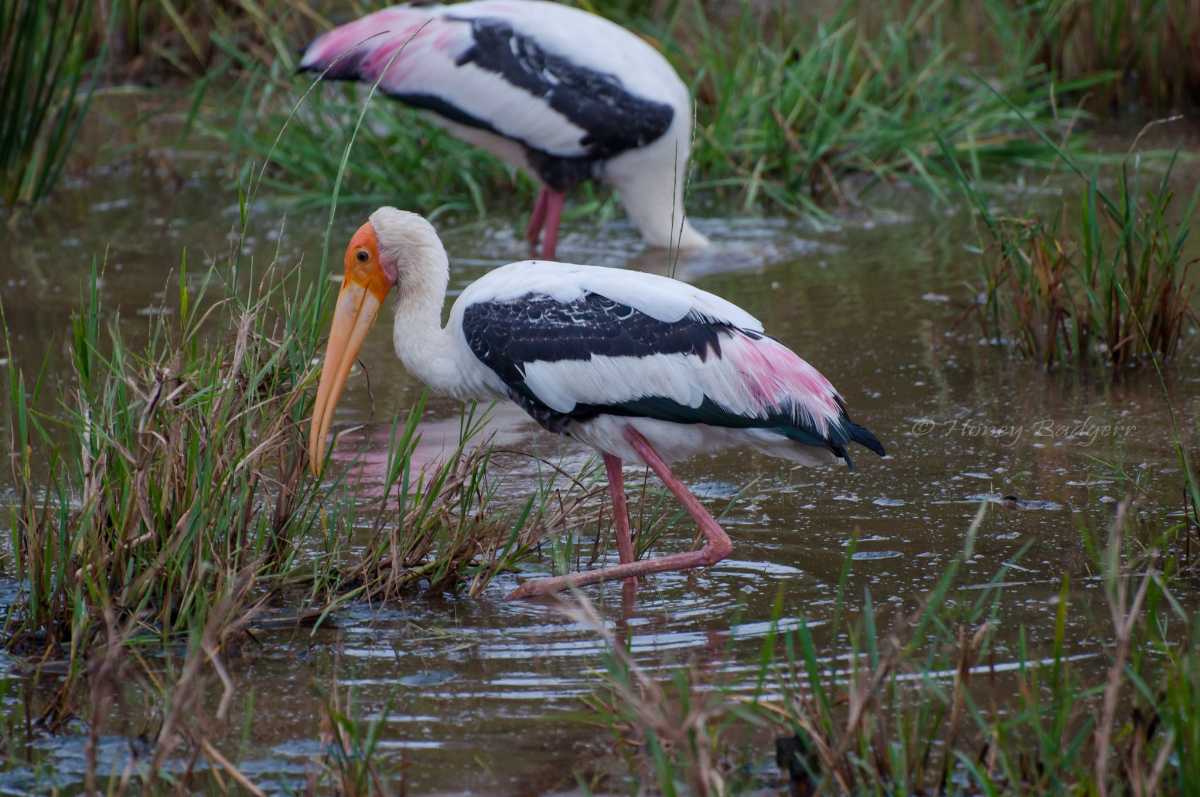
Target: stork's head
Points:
x,y
393,248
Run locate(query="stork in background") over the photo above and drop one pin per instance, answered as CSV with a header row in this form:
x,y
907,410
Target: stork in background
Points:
x,y
561,93
639,366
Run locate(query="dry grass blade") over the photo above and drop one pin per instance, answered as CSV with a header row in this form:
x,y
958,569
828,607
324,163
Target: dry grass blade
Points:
x,y
1125,615
677,724
909,713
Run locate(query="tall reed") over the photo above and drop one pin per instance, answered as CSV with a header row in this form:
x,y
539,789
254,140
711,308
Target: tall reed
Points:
x,y
1149,46
44,91
1113,287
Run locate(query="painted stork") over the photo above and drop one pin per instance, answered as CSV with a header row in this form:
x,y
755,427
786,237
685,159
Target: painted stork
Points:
x,y
638,366
561,93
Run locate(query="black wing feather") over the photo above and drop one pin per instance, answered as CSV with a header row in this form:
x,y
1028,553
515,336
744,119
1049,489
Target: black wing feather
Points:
x,y
615,118
506,336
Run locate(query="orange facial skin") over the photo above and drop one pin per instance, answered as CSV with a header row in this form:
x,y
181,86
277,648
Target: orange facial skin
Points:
x,y
363,266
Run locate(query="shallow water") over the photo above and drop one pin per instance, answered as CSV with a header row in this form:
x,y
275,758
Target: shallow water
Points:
x,y
478,688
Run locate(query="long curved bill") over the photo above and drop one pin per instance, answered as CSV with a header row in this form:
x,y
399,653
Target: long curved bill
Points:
x,y
356,311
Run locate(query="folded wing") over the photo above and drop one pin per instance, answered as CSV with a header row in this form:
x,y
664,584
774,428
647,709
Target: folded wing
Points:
x,y
571,354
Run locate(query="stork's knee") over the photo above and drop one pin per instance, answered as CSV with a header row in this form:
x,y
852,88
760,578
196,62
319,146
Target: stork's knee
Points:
x,y
716,551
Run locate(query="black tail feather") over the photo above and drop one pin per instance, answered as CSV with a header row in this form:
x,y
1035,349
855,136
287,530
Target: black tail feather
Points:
x,y
864,437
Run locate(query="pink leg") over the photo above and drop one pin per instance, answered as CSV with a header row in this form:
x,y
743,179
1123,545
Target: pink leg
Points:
x,y
628,600
616,489
534,231
717,547
554,208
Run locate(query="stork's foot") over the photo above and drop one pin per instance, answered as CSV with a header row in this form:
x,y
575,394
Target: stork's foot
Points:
x,y
717,547
707,556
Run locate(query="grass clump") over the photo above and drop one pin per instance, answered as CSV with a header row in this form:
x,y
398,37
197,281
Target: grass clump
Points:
x,y
937,701
1112,287
1148,45
43,92
789,105
159,499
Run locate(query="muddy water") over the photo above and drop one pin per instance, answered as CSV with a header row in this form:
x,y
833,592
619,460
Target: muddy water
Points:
x,y
478,689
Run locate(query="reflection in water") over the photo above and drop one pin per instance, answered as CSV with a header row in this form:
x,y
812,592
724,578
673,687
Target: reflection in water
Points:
x,y
363,451
482,680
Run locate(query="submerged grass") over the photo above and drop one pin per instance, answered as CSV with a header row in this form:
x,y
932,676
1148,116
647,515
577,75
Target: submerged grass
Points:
x,y
934,702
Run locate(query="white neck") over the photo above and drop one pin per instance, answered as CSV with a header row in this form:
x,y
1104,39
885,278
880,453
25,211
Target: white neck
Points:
x,y
427,349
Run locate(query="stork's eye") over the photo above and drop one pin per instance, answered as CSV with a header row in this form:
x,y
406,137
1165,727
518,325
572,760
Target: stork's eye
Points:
x,y
362,256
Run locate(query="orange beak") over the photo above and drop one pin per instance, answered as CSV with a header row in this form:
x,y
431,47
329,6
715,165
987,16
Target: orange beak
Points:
x,y
365,285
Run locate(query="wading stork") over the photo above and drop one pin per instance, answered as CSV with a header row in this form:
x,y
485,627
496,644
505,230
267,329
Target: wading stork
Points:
x,y
561,93
638,366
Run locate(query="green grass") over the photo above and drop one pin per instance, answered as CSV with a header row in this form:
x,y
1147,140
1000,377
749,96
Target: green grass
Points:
x,y
44,92
164,501
1147,45
351,743
165,506
153,504
1142,48
789,108
396,161
793,107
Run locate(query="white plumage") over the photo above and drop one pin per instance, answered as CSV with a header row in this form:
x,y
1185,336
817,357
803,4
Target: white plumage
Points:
x,y
559,92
